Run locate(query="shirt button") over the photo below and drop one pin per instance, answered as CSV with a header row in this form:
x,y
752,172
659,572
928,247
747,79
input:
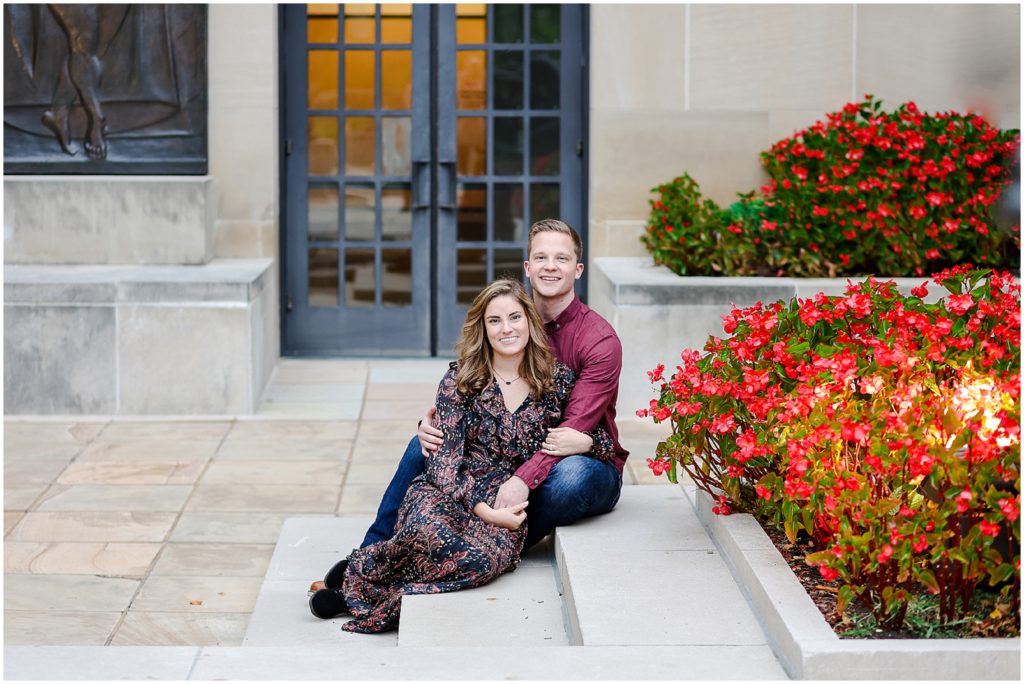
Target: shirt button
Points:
x,y
536,481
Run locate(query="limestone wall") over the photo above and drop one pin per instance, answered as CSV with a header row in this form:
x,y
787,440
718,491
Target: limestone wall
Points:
x,y
705,88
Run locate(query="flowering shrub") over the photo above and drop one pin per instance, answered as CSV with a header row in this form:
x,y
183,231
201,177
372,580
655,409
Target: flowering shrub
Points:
x,y
902,193
885,428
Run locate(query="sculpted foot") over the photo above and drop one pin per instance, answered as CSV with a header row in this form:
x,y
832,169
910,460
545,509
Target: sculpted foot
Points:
x,y
57,121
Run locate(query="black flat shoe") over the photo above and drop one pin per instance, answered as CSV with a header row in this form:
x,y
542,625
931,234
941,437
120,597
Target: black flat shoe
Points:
x,y
336,575
328,603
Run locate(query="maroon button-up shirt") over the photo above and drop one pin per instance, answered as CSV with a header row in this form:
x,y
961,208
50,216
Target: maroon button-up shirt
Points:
x,y
587,344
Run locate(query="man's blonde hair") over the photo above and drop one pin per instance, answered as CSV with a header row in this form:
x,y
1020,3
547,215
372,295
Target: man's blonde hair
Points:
x,y
555,226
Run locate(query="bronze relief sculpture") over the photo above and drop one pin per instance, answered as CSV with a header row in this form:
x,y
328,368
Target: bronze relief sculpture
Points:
x,y
96,88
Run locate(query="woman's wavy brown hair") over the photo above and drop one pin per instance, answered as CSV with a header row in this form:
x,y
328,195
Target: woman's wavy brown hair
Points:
x,y
474,350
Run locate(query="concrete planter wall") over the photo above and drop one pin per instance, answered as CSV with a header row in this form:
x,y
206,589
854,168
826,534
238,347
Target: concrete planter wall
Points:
x,y
657,314
176,340
804,641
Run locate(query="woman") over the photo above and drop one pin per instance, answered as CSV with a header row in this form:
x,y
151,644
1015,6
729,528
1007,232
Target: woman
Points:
x,y
494,406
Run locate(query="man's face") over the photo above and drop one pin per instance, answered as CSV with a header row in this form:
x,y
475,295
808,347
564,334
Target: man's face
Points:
x,y
552,266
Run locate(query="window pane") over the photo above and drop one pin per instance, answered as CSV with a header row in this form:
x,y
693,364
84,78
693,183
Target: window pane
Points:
x,y
466,9
508,263
360,211
545,80
323,277
508,146
396,79
396,211
508,79
323,79
508,212
471,201
396,149
359,30
322,30
360,141
395,10
544,141
323,213
359,83
470,79
544,201
360,10
396,30
470,30
471,140
471,274
396,278
508,23
322,9
323,146
359,277
545,23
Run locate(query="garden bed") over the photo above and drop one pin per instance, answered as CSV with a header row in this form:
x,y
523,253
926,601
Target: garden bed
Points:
x,y
807,645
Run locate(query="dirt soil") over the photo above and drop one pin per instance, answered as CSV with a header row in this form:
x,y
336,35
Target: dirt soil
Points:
x,y
859,623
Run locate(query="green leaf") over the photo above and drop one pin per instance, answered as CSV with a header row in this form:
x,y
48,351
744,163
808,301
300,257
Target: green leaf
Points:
x,y
671,473
790,531
927,578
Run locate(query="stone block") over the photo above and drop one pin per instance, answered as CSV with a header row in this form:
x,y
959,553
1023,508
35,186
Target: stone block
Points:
x,y
98,663
522,608
647,74
764,57
59,359
109,219
616,238
184,360
974,47
640,149
244,158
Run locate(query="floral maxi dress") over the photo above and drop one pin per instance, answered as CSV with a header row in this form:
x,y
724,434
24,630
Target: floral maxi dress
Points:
x,y
439,544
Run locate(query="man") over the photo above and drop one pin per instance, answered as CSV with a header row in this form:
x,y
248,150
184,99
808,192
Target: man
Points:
x,y
562,485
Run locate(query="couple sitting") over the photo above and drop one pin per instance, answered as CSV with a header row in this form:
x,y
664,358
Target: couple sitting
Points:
x,y
526,416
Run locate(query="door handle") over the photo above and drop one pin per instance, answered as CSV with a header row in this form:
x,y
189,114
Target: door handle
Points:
x,y
421,185
446,185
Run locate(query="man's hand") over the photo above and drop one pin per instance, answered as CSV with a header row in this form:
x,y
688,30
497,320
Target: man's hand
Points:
x,y
564,441
430,437
512,493
510,518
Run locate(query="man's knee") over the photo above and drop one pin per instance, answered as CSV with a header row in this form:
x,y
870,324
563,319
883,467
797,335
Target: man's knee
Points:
x,y
584,480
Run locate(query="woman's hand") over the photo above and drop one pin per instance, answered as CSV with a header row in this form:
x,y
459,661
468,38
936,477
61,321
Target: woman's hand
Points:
x,y
564,441
509,518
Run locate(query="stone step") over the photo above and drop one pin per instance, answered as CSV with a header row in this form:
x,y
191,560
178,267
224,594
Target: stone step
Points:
x,y
411,663
648,574
521,608
306,549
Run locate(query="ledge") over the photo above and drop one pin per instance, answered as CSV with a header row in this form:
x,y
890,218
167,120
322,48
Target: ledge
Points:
x,y
806,644
230,280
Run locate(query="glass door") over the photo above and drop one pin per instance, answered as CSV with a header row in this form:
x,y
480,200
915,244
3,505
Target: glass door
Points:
x,y
421,141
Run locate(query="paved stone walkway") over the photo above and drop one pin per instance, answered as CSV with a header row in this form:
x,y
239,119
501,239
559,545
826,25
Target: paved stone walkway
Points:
x,y
158,531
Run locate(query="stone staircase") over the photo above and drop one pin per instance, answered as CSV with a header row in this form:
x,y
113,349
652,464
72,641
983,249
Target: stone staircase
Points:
x,y
640,593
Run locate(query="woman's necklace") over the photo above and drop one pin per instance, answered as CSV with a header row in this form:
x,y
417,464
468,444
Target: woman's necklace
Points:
x,y
507,382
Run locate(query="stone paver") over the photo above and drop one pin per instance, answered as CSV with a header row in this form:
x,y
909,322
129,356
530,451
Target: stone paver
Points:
x,y
114,527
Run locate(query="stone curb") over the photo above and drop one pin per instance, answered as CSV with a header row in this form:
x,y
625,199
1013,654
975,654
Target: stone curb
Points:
x,y
804,642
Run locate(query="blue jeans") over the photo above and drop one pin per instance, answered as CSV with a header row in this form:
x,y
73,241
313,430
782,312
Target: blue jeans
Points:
x,y
577,487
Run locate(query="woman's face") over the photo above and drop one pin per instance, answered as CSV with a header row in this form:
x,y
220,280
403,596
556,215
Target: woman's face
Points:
x,y
507,328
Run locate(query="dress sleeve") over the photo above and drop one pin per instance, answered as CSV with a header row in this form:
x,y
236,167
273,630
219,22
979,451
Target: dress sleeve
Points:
x,y
603,448
443,468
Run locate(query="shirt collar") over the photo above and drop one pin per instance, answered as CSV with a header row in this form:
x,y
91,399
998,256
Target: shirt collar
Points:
x,y
574,309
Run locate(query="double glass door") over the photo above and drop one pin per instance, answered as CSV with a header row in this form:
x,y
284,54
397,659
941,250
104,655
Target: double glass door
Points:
x,y
421,141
